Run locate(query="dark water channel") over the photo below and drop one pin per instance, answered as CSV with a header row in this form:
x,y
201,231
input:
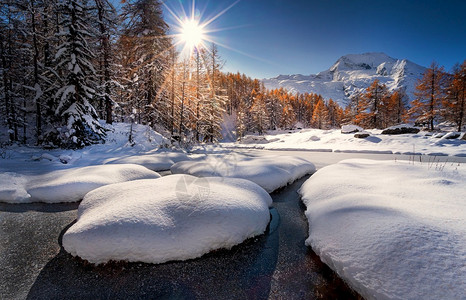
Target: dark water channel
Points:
x,y
276,265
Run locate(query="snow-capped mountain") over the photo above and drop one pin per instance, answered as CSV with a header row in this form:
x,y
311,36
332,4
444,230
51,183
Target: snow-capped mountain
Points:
x,y
353,73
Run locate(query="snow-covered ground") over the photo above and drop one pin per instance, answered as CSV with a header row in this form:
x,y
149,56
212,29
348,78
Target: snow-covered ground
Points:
x,y
176,217
149,150
270,172
391,229
335,141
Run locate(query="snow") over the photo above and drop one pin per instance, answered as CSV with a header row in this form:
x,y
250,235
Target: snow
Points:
x,y
351,129
270,172
176,217
351,74
392,230
336,141
66,185
157,162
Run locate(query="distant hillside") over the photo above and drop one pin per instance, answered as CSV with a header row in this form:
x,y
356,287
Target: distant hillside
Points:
x,y
353,73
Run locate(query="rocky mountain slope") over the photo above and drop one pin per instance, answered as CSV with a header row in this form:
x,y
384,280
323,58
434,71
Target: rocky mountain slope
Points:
x,y
353,73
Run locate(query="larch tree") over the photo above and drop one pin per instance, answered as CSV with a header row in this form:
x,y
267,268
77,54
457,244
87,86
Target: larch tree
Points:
x,y
430,90
259,112
371,105
455,100
320,115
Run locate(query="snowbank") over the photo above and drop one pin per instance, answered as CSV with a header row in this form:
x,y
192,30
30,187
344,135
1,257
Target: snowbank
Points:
x,y
176,217
66,185
155,161
270,172
334,140
392,230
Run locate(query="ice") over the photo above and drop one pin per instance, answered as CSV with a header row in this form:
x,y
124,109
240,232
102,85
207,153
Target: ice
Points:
x,y
270,172
66,185
392,230
176,217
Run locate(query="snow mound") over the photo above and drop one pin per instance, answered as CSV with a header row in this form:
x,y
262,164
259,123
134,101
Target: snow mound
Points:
x,y
270,172
392,230
351,129
157,161
66,185
176,217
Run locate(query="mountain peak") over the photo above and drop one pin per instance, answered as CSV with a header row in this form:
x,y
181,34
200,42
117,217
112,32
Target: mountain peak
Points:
x,y
353,73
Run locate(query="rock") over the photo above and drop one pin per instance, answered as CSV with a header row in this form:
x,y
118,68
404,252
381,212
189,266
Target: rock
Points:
x,y
351,129
401,129
452,135
361,135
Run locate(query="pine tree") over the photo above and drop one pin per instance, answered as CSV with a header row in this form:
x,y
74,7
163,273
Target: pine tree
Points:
x,y
426,108
76,115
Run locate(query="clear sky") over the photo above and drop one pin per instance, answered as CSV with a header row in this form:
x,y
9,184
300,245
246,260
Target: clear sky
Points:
x,y
272,37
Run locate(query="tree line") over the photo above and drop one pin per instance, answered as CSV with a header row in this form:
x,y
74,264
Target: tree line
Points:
x,y
69,67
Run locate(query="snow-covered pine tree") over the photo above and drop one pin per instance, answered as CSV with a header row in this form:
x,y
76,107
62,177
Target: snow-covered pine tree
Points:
x,y
76,117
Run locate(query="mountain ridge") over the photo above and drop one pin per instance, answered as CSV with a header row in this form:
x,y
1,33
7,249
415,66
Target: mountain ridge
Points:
x,y
353,73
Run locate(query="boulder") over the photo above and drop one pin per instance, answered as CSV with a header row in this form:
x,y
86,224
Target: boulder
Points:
x,y
351,129
361,135
401,129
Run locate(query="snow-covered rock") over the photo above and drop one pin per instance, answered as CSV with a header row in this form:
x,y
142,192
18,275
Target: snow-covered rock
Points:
x,y
392,230
176,217
351,74
66,185
362,135
401,129
270,172
351,129
158,161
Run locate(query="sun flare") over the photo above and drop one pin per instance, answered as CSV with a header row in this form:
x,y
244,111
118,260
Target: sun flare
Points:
x,y
192,33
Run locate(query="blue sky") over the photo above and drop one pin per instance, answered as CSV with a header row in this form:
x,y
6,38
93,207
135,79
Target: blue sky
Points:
x,y
273,37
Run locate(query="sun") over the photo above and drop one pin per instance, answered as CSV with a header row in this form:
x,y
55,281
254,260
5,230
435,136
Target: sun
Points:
x,y
192,33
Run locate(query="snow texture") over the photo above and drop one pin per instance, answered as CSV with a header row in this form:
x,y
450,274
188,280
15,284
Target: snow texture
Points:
x,y
392,230
270,172
176,217
66,185
351,74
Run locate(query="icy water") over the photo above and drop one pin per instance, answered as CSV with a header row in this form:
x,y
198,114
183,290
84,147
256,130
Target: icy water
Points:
x,y
276,265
